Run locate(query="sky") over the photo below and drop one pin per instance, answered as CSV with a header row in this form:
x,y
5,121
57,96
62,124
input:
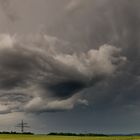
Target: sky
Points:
x,y
70,65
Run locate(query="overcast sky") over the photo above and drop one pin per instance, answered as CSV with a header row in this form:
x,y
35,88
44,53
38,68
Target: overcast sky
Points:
x,y
70,65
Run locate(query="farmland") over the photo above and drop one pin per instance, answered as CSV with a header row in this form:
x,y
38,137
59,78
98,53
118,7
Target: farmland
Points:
x,y
45,137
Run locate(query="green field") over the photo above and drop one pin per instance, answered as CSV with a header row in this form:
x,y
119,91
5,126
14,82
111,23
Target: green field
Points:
x,y
43,137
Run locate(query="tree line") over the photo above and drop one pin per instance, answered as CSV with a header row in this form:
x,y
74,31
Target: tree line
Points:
x,y
75,134
14,132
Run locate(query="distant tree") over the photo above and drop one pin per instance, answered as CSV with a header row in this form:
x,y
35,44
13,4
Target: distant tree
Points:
x,y
74,134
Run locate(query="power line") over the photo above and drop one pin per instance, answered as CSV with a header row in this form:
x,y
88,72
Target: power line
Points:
x,y
22,125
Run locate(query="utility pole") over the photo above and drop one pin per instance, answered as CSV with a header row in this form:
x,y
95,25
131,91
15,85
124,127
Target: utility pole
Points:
x,y
22,125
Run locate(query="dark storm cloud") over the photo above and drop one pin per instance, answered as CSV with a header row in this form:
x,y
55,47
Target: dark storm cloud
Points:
x,y
35,67
66,89
85,66
94,23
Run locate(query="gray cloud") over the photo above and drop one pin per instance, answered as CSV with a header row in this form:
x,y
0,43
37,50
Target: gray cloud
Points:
x,y
37,76
90,24
84,66
9,10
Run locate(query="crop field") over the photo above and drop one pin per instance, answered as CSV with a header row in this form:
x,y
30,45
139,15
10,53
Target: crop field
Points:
x,y
45,137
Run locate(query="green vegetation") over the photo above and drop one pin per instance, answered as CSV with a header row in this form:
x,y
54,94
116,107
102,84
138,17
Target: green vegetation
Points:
x,y
46,137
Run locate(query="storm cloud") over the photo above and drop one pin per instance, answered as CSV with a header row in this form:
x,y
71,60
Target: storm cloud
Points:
x,y
35,76
90,24
89,55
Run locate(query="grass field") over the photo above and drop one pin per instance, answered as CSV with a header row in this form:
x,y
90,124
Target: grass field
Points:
x,y
43,137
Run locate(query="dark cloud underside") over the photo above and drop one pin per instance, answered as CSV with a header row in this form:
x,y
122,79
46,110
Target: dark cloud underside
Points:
x,y
89,55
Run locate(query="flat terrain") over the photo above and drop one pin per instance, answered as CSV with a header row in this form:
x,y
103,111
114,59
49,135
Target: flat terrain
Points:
x,y
43,137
